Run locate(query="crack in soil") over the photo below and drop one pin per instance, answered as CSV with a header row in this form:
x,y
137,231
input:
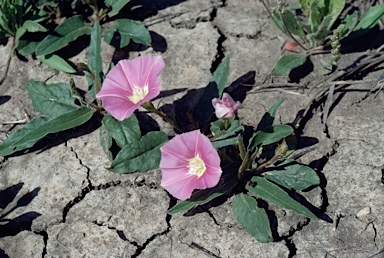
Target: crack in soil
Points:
x,y
45,239
120,233
168,217
291,247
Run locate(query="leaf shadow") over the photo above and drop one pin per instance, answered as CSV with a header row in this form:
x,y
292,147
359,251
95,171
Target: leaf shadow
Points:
x,y
11,227
4,99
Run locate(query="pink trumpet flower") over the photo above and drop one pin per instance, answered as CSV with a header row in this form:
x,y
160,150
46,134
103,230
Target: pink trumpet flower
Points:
x,y
225,107
189,162
129,84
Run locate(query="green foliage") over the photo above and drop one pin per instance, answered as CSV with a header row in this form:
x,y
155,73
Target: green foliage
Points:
x,y
95,73
288,62
57,63
314,27
273,179
252,218
273,193
65,33
123,31
141,155
115,5
39,127
137,153
28,22
59,113
292,175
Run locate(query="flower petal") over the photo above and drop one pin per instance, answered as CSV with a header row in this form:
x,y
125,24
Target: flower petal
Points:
x,y
175,164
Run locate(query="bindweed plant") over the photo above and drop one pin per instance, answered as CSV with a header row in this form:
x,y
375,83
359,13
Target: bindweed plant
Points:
x,y
218,158
30,24
315,25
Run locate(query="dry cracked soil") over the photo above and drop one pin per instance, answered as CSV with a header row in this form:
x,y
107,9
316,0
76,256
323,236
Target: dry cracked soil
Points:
x,y
62,202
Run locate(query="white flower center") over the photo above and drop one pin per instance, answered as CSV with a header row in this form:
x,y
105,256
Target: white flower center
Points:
x,y
138,93
196,166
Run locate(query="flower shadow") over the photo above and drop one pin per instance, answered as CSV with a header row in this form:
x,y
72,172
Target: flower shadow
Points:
x,y
186,109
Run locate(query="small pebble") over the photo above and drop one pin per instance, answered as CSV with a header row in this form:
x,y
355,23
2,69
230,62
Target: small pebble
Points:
x,y
363,212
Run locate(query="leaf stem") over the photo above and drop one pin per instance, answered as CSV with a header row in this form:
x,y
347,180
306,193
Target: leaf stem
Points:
x,y
150,107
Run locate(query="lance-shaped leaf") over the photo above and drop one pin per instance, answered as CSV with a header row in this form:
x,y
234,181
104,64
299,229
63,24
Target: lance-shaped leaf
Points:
x,y
270,135
252,218
220,75
39,127
52,99
57,63
371,17
292,24
95,64
116,6
268,118
140,156
200,197
124,132
292,175
124,30
68,31
273,193
288,62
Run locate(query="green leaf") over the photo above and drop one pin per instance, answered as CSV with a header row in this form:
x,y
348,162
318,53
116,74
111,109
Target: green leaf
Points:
x,y
288,62
348,24
226,142
221,133
124,132
141,156
268,118
124,30
305,6
220,76
95,63
371,17
334,10
52,99
200,197
292,175
57,63
270,135
252,218
39,127
315,16
68,31
116,5
271,192
26,47
30,26
291,21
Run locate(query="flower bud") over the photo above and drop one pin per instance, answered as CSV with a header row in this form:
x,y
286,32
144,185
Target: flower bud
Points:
x,y
225,107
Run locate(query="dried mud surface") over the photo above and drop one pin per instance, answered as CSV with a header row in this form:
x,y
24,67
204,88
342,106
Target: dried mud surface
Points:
x,y
64,203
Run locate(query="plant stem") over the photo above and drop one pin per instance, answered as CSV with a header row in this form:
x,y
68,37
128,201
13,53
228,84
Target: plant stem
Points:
x,y
150,107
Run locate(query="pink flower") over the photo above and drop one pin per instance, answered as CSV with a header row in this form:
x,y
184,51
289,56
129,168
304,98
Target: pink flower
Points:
x,y
188,162
129,84
226,107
